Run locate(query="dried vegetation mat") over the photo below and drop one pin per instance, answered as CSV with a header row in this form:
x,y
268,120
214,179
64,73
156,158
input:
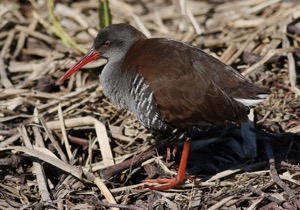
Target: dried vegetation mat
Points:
x,y
68,147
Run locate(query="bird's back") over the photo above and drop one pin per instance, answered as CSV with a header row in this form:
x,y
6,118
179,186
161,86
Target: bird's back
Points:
x,y
189,86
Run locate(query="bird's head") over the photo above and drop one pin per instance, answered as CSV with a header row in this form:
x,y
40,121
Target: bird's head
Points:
x,y
112,43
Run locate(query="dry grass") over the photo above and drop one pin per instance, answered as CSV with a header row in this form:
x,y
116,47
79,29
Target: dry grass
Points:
x,y
57,142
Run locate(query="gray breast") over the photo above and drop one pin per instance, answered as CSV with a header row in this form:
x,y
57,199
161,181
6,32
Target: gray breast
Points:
x,y
115,85
132,93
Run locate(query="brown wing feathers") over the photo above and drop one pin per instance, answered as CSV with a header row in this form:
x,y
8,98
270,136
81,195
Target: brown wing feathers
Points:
x,y
206,106
208,101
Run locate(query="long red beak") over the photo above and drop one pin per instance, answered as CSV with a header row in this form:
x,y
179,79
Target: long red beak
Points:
x,y
88,57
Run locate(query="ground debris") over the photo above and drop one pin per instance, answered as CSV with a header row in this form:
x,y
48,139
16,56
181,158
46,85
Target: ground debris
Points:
x,y
58,142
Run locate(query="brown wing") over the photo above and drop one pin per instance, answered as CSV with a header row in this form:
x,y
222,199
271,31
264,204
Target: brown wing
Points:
x,y
189,85
182,104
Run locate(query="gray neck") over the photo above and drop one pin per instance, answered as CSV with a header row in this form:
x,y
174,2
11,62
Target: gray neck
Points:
x,y
115,85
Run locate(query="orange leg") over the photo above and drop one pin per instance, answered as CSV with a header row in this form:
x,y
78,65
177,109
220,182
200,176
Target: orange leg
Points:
x,y
175,148
179,178
168,152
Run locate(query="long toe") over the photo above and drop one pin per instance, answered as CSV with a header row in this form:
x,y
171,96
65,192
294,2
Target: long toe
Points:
x,y
169,183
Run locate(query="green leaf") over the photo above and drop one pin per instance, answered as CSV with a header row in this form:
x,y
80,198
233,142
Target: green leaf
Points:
x,y
104,14
59,31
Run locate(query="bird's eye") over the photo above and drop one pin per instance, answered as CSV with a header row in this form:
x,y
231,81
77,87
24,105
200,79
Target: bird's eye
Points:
x,y
106,43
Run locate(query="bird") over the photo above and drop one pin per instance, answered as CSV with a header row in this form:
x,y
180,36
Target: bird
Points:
x,y
173,88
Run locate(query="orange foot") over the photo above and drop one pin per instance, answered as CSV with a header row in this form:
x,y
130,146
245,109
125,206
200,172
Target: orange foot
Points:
x,y
180,177
169,182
